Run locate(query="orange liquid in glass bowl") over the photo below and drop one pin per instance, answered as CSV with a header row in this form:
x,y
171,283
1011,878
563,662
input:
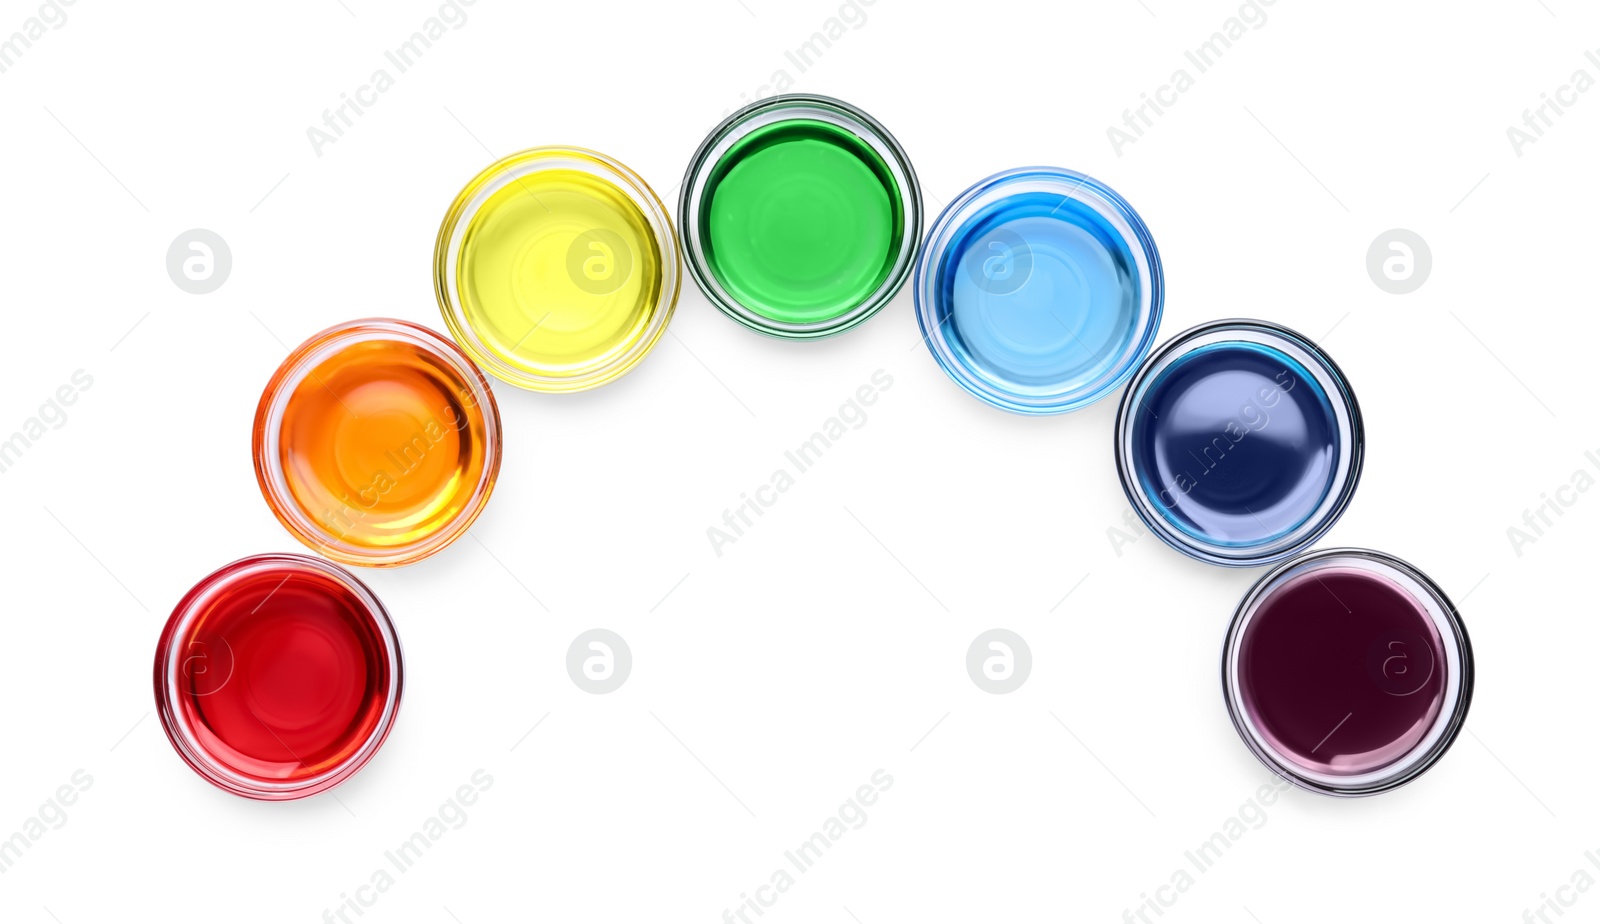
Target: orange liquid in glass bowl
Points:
x,y
377,442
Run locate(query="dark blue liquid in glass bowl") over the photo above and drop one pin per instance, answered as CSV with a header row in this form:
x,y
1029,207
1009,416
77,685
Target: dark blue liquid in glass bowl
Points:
x,y
1239,443
1236,442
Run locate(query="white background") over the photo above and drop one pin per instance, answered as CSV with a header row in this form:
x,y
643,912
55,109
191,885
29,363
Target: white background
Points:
x,y
770,682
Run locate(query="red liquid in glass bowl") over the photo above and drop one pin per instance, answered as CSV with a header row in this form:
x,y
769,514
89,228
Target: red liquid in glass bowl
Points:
x,y
1347,671
278,676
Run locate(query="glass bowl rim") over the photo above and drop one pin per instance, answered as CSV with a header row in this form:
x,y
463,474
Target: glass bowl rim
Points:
x,y
168,660
492,178
1152,300
1347,414
1442,734
739,124
267,435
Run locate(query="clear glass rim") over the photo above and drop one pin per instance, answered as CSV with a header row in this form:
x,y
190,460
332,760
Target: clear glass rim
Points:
x,y
778,109
512,168
1081,188
1459,673
1347,415
268,434
169,661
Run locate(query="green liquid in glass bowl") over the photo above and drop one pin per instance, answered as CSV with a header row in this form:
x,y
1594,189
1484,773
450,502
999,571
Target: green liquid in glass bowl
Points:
x,y
800,216
802,221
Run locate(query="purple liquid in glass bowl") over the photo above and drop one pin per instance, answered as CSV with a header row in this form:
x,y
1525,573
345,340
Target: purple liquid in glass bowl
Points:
x,y
1347,671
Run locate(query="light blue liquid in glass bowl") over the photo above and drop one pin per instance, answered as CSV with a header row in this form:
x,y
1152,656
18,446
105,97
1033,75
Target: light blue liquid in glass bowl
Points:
x,y
1039,291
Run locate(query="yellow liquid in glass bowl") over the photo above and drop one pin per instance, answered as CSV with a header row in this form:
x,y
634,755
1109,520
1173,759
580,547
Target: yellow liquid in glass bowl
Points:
x,y
557,269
